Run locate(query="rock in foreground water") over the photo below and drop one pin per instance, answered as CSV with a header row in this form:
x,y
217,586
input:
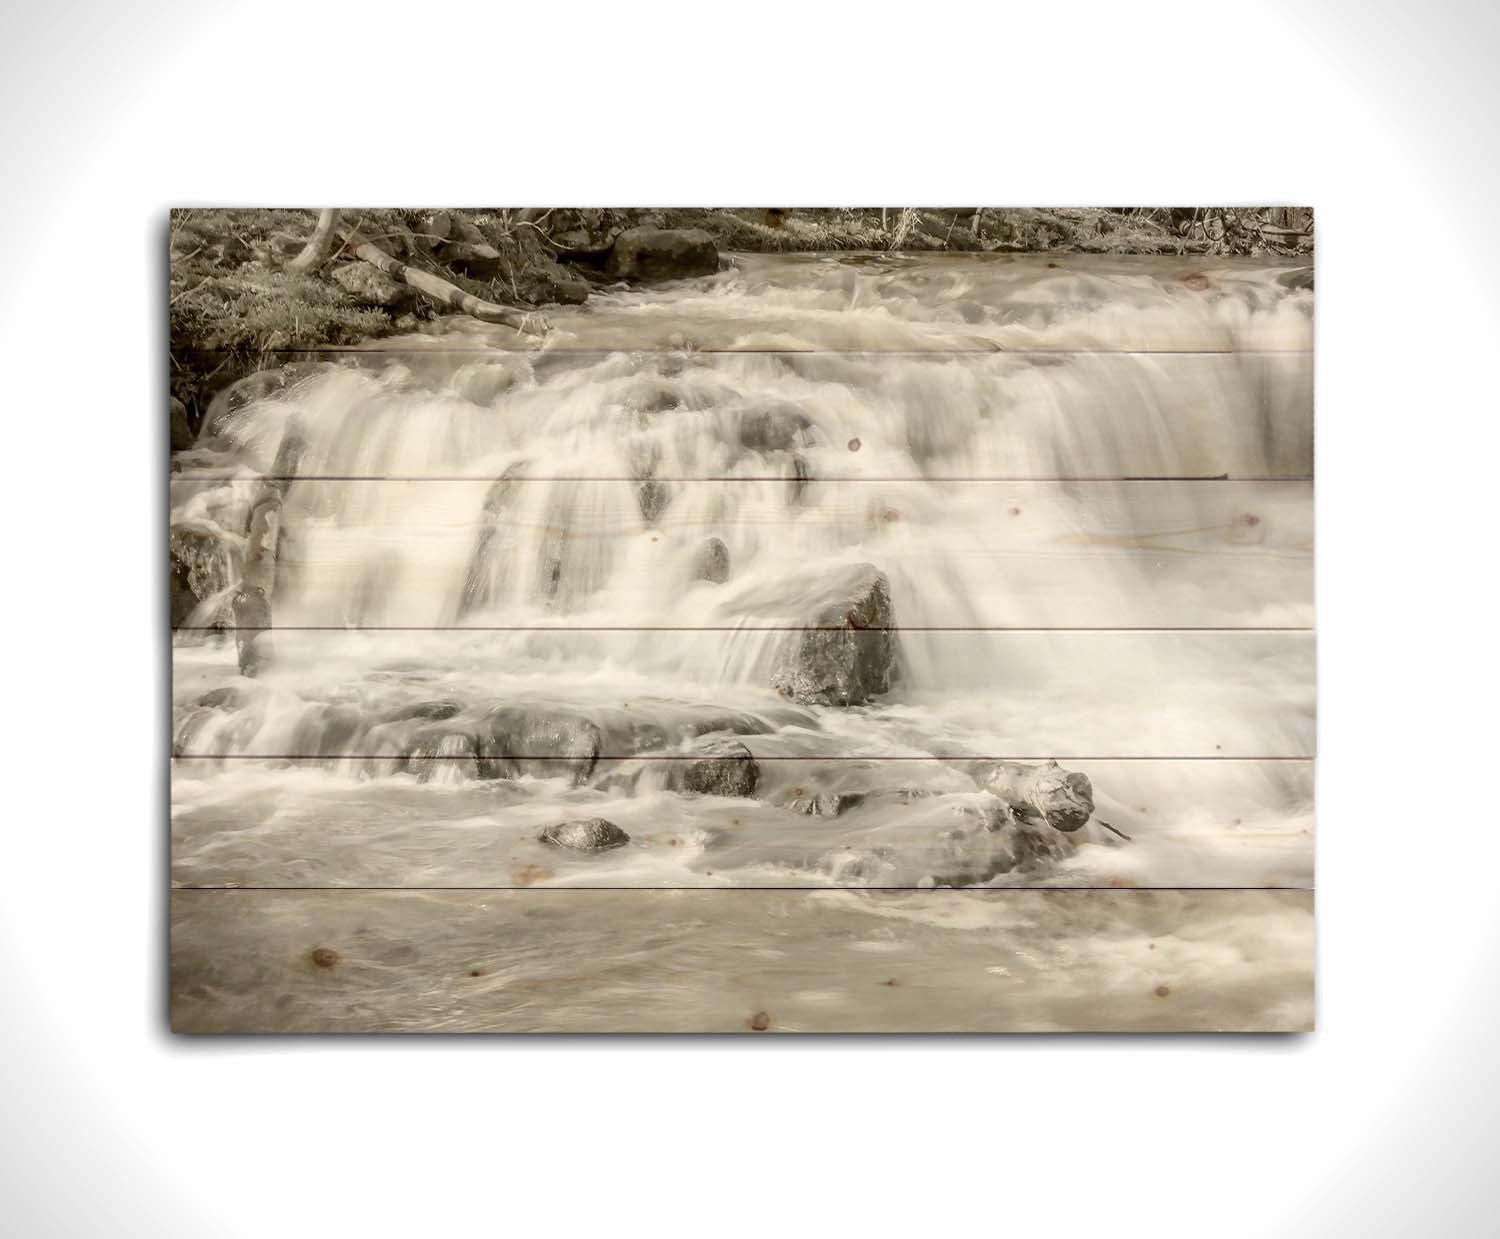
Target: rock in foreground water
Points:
x,y
847,652
585,834
726,768
1064,799
662,254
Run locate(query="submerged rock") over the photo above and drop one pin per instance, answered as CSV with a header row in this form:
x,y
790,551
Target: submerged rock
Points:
x,y
585,834
252,620
725,768
443,757
712,561
654,497
662,254
776,429
847,652
431,711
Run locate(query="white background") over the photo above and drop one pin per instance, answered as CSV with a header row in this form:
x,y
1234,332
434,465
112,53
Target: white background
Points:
x,y
1382,116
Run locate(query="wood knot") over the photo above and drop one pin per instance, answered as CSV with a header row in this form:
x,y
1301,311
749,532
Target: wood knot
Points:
x,y
324,957
760,1021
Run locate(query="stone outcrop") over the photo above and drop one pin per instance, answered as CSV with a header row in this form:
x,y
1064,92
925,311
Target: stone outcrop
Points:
x,y
846,653
662,254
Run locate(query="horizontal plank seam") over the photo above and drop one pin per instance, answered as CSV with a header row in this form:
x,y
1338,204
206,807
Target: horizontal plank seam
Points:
x,y
478,478
179,889
982,348
736,628
820,757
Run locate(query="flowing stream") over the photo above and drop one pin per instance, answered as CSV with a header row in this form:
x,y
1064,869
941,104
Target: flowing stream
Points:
x,y
1084,483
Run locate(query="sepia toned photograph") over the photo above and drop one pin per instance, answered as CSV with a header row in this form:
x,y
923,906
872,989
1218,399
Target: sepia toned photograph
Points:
x,y
750,620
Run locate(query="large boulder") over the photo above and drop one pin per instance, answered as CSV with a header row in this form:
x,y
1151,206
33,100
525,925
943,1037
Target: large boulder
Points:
x,y
846,652
367,283
585,834
538,740
662,254
720,767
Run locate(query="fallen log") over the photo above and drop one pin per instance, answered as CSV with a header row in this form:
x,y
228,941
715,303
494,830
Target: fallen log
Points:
x,y
444,293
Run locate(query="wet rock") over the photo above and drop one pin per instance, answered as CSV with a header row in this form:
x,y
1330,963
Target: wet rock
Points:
x,y
538,740
252,619
712,561
776,429
722,768
585,834
662,254
482,382
798,475
1063,799
368,284
823,804
230,697
555,283
182,432
482,575
654,498
847,652
330,730
443,757
200,570
433,711
261,385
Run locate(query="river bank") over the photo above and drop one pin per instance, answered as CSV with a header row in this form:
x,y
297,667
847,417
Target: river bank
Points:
x,y
238,304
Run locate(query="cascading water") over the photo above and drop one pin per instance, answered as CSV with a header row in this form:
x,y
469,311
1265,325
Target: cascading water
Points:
x,y
611,546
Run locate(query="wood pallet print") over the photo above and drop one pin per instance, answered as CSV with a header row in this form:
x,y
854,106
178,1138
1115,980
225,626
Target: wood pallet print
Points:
x,y
785,620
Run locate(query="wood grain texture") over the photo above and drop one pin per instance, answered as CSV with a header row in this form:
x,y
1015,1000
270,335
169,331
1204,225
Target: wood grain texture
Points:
x,y
1020,554
659,961
802,823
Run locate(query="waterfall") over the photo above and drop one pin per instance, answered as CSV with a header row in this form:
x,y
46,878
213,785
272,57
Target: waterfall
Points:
x,y
630,526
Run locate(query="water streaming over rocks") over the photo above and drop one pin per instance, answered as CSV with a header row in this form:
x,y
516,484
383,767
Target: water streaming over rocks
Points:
x,y
769,571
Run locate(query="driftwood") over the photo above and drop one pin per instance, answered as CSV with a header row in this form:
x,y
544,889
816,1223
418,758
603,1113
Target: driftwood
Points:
x,y
315,253
444,293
